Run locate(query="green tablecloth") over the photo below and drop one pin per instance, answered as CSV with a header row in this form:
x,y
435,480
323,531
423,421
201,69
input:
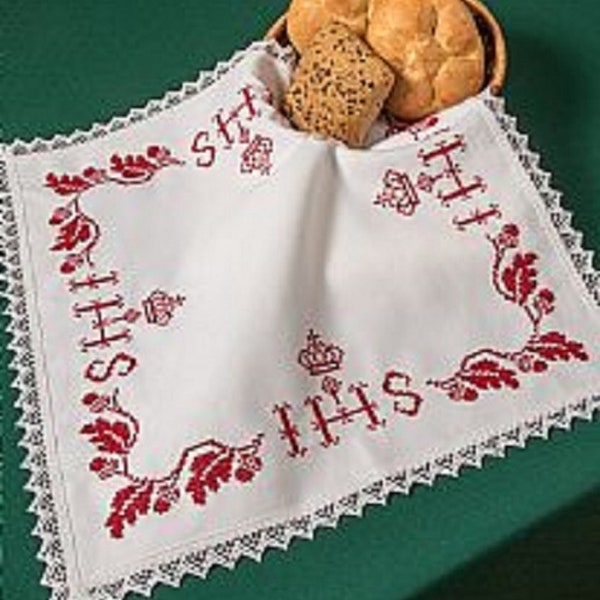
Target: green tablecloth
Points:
x,y
524,527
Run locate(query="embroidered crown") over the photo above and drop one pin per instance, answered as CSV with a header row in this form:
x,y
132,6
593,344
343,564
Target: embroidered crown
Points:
x,y
160,306
319,357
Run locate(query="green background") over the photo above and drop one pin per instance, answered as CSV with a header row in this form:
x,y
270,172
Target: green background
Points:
x,y
524,527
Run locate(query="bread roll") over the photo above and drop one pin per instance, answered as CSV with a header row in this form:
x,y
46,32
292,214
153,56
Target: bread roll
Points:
x,y
339,86
435,49
306,17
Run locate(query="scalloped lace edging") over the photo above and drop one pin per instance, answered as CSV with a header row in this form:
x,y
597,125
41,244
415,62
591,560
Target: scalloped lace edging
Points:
x,y
582,260
253,544
153,107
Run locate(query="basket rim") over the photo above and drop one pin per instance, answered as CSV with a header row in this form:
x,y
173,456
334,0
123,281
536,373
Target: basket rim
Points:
x,y
497,78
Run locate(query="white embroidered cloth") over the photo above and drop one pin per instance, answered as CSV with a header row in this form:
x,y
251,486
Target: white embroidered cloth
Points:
x,y
229,333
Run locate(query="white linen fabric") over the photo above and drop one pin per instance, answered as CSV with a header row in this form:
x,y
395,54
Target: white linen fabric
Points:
x,y
229,332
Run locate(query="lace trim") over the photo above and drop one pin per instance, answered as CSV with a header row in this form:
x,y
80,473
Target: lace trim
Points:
x,y
583,260
153,107
199,561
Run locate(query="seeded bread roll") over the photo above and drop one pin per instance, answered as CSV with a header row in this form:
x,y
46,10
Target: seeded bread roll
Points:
x,y
306,17
435,49
339,86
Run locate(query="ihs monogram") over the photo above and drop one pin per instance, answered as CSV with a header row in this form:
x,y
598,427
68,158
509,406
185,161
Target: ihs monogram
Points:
x,y
336,407
112,430
230,128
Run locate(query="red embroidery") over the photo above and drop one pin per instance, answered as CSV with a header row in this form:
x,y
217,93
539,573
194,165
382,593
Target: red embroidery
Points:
x,y
202,468
328,410
231,128
101,321
110,320
114,437
122,364
159,307
398,193
207,152
478,217
113,432
319,357
234,118
78,233
289,431
514,277
257,156
418,129
397,385
450,172
93,281
342,414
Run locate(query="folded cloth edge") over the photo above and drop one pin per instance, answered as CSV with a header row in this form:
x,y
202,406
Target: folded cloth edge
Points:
x,y
199,560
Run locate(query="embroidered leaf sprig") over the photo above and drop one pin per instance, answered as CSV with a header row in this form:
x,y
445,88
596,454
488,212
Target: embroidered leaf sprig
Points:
x,y
138,168
77,232
128,505
519,278
555,346
489,374
72,233
209,471
114,437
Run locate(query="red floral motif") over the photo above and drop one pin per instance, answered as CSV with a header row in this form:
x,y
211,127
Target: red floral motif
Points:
x,y
78,233
128,504
209,464
487,374
517,281
216,466
554,346
519,278
114,437
113,432
209,471
515,278
139,168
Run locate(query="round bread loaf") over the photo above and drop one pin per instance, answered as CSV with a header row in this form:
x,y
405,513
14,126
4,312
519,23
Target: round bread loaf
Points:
x,y
306,17
433,46
435,49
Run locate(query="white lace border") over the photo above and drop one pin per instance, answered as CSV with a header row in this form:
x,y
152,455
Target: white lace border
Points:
x,y
199,561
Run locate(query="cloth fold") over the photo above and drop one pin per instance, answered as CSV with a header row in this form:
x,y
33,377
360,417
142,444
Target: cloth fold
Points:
x,y
229,332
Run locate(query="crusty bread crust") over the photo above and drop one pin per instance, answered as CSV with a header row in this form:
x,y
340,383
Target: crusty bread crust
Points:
x,y
306,17
339,86
433,46
435,49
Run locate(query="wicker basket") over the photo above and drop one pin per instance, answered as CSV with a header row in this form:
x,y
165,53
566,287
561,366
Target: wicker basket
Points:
x,y
493,40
